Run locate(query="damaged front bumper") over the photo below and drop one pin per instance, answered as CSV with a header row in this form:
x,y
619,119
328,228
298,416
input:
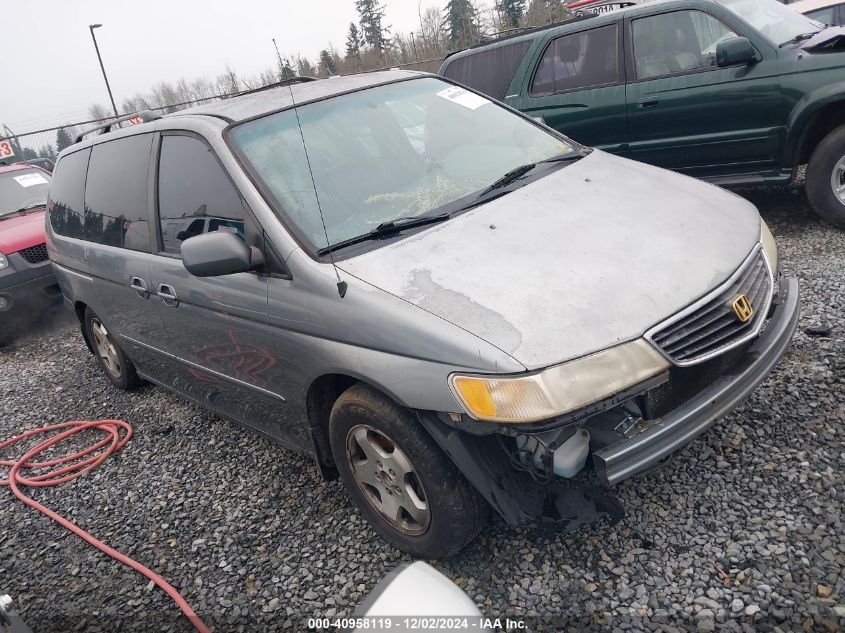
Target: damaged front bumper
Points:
x,y
680,426
524,499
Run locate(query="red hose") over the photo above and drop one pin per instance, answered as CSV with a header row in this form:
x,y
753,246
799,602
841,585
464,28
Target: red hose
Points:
x,y
69,468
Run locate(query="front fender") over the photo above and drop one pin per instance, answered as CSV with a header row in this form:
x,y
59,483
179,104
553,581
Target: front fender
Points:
x,y
804,113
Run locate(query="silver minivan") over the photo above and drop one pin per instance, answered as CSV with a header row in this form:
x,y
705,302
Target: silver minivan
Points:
x,y
442,301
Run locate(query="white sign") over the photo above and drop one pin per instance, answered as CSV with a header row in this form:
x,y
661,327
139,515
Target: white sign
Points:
x,y
6,150
463,97
28,180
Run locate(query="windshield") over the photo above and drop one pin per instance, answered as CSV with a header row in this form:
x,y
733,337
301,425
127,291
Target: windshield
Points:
x,y
23,188
774,20
395,151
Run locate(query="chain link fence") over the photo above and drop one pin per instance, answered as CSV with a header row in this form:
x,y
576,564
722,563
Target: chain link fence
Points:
x,y
41,146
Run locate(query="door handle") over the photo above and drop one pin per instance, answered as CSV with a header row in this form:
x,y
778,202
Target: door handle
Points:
x,y
648,102
140,287
168,295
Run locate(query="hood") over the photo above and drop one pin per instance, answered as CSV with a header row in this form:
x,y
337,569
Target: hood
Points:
x,y
589,256
21,231
826,40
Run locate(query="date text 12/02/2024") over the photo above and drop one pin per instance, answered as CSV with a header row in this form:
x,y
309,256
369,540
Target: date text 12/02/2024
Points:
x,y
416,623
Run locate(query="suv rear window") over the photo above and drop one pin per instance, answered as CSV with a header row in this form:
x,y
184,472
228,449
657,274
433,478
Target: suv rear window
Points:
x,y
116,205
489,71
67,194
579,60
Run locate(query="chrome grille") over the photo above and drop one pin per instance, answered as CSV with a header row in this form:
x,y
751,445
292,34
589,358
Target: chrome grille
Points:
x,y
709,326
35,254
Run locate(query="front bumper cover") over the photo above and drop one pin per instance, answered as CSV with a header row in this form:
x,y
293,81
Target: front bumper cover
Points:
x,y
680,426
568,504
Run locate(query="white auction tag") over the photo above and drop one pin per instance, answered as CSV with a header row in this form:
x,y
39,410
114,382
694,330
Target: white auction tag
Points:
x,y
463,97
28,180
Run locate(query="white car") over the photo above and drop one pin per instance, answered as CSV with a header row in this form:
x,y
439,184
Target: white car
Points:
x,y
830,12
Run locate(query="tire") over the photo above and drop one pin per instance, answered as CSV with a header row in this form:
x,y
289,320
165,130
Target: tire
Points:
x,y
827,163
111,358
454,512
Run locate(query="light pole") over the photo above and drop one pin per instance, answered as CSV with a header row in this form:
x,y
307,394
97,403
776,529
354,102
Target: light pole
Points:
x,y
91,28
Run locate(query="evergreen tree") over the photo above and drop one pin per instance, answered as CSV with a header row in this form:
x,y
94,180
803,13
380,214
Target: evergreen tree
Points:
x,y
512,11
376,36
460,22
62,139
327,65
353,42
287,71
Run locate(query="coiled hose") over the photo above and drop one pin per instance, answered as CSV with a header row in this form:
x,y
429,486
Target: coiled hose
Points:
x,y
68,468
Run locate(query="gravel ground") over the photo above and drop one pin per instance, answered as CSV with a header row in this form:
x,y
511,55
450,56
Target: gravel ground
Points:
x,y
742,531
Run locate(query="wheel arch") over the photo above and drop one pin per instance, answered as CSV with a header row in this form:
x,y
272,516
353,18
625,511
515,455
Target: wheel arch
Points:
x,y
813,118
79,308
323,391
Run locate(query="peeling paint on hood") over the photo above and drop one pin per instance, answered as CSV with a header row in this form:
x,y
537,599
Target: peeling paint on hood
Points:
x,y
587,257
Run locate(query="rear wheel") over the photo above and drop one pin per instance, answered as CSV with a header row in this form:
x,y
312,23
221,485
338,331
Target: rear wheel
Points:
x,y
117,367
825,180
401,481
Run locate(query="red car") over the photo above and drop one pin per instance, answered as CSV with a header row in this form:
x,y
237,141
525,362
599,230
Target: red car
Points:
x,y
27,284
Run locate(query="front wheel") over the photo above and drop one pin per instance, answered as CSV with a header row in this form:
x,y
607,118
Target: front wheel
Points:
x,y
114,363
400,480
825,181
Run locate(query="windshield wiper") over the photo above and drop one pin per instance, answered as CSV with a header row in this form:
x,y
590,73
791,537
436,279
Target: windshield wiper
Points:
x,y
799,38
390,227
22,210
518,172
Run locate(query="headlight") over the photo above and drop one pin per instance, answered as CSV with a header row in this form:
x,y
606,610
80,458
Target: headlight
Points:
x,y
558,389
770,247
4,263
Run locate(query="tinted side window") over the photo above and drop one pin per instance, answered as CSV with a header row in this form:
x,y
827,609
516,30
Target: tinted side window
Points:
x,y
193,187
488,71
677,42
580,60
67,194
116,204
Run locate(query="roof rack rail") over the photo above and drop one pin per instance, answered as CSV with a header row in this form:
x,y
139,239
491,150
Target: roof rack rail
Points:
x,y
138,117
299,79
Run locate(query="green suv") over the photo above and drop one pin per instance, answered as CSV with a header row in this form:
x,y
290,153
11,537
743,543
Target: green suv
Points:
x,y
737,92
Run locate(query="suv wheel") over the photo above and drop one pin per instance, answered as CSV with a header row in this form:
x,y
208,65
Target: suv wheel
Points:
x,y
826,178
399,479
111,358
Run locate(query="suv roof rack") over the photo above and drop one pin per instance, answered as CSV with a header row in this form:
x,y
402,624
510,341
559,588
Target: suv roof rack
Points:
x,y
138,117
521,30
299,79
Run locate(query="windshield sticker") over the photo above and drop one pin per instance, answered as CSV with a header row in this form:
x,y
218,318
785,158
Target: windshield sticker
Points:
x,y
28,180
6,150
463,97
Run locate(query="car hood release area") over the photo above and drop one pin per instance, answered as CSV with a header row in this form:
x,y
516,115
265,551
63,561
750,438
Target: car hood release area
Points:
x,y
590,256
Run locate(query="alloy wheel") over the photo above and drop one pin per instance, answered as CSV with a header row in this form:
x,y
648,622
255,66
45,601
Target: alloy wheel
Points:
x,y
105,348
386,477
837,180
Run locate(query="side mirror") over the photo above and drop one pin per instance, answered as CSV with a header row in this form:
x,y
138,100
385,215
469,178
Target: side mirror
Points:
x,y
218,253
182,236
733,51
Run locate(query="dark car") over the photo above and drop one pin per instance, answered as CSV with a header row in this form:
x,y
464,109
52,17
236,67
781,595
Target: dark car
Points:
x,y
27,284
737,92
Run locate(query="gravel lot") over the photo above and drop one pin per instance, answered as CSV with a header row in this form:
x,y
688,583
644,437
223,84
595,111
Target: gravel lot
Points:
x,y
742,531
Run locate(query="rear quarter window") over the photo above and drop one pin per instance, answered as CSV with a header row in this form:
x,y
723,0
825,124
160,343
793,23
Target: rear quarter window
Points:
x,y
67,195
116,203
489,71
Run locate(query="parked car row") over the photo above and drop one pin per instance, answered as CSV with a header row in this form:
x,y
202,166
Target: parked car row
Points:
x,y
736,92
442,301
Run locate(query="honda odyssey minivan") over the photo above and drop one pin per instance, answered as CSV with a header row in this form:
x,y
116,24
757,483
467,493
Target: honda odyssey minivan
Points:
x,y
453,311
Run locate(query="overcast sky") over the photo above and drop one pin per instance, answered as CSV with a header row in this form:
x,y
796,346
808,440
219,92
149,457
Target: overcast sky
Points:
x,y
49,73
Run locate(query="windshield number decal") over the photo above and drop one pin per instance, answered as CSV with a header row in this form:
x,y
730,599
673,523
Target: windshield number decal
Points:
x,y
28,180
463,97
6,150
